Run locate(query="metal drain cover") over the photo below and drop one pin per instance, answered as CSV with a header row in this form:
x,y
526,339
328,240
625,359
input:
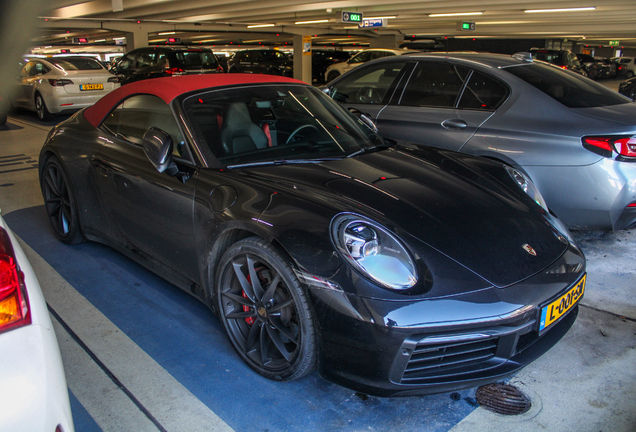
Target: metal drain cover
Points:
x,y
503,399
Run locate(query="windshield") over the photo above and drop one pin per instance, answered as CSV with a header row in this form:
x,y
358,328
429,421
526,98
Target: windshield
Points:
x,y
572,90
275,124
75,63
274,55
196,59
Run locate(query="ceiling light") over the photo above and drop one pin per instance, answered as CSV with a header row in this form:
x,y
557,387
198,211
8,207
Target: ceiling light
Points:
x,y
166,33
311,22
455,14
261,25
100,40
560,10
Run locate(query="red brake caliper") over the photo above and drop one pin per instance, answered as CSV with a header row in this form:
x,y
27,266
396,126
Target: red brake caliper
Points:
x,y
248,320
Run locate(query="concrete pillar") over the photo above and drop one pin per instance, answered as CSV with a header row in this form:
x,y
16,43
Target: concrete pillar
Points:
x,y
302,58
386,41
136,39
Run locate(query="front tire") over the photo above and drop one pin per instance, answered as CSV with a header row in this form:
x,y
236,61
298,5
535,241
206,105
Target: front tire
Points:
x,y
265,312
60,203
40,108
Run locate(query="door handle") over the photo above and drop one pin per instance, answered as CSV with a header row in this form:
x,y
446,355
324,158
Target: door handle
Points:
x,y
454,124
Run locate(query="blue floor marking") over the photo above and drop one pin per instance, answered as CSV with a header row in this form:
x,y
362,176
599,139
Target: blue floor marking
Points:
x,y
81,418
186,339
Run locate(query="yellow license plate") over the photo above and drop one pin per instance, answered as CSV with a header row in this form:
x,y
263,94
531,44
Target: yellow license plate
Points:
x,y
560,306
92,87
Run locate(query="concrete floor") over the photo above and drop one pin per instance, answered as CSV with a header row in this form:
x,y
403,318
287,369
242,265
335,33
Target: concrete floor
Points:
x,y
586,383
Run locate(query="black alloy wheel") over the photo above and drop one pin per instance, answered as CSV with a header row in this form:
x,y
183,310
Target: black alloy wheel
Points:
x,y
59,202
265,312
632,93
40,108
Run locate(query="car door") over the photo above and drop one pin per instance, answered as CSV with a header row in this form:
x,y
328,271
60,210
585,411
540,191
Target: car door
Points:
x,y
127,67
369,88
436,107
30,75
152,211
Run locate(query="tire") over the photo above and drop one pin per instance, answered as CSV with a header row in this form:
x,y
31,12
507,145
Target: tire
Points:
x,y
629,74
632,93
40,108
269,323
332,76
60,202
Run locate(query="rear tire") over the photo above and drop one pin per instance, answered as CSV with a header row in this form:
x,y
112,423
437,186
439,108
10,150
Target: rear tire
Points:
x,y
629,74
40,108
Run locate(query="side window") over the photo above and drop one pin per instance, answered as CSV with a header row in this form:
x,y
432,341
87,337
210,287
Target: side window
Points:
x,y
483,93
435,84
362,57
369,85
146,59
26,70
127,62
132,118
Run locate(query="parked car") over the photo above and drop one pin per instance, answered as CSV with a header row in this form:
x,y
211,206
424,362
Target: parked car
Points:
x,y
628,88
610,67
34,394
57,85
261,61
338,69
161,61
591,66
628,67
572,136
563,58
321,59
395,269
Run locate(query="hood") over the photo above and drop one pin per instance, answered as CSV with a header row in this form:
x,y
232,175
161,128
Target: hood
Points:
x,y
441,198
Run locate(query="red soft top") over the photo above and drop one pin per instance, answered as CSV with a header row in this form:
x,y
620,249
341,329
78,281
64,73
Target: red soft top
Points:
x,y
169,88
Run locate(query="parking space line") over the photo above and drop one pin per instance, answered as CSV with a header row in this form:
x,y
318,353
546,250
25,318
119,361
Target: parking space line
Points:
x,y
174,407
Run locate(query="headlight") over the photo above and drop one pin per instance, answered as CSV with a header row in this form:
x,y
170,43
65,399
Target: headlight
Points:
x,y
527,186
373,251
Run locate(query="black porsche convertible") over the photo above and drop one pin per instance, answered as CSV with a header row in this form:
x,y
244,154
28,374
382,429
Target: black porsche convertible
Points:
x,y
392,268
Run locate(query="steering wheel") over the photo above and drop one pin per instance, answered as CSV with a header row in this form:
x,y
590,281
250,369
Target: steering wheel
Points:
x,y
368,95
298,129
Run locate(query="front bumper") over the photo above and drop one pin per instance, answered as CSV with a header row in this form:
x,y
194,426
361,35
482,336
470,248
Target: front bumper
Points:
x,y
398,348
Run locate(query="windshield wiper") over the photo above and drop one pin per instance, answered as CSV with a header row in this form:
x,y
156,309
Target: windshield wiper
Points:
x,y
370,149
283,162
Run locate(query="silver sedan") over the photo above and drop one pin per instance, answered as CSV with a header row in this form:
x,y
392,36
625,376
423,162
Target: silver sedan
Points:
x,y
61,84
575,138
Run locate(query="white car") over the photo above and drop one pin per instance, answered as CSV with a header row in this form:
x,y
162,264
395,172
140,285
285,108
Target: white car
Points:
x,y
337,69
628,65
33,392
61,84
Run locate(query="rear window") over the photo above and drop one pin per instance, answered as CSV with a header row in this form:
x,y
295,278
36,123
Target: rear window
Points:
x,y
553,57
75,63
568,88
196,59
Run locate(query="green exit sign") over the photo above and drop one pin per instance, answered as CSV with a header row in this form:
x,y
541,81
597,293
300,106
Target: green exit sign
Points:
x,y
614,43
468,26
354,17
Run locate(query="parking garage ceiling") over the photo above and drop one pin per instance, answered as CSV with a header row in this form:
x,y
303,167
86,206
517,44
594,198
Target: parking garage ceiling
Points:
x,y
221,22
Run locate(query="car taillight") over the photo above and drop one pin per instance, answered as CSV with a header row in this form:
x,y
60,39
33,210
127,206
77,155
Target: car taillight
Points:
x,y
60,82
623,147
14,304
174,71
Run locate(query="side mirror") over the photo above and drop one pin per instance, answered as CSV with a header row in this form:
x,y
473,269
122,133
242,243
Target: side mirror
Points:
x,y
157,146
364,118
326,90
